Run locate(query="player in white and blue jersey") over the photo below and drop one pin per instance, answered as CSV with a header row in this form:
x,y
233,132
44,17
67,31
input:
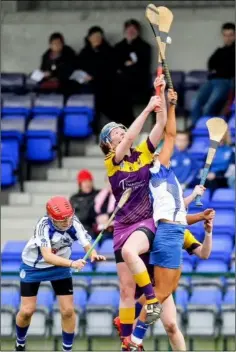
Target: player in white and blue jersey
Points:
x,y
46,257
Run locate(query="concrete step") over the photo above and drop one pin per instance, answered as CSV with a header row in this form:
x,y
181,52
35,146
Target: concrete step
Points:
x,y
31,212
33,199
91,163
93,150
71,175
50,187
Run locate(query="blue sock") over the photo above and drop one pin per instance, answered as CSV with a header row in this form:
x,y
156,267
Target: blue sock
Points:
x,y
67,341
138,308
139,332
21,334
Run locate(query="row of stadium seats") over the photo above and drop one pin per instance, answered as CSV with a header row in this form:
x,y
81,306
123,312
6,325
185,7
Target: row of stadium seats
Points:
x,y
205,312
34,133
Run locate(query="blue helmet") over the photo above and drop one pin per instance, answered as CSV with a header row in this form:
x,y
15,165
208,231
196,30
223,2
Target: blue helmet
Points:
x,y
106,131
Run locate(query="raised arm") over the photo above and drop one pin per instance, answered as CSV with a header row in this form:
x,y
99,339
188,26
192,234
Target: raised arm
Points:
x,y
170,132
135,129
161,115
204,250
198,191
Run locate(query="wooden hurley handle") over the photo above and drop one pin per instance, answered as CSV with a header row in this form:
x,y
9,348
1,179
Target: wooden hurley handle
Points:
x,y
158,89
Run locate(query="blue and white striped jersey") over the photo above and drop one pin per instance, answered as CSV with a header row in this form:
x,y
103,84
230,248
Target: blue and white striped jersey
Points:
x,y
166,195
46,235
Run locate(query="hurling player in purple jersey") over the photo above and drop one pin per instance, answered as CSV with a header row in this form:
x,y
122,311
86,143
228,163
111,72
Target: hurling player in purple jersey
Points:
x,y
128,167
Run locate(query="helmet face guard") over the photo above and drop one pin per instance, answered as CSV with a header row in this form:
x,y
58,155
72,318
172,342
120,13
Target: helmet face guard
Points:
x,y
106,131
61,212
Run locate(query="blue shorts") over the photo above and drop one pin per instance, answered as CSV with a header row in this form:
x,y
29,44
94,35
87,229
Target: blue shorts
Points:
x,y
31,274
167,246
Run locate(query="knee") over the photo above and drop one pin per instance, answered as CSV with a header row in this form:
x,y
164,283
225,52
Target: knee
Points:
x,y
127,292
26,312
67,313
171,327
126,253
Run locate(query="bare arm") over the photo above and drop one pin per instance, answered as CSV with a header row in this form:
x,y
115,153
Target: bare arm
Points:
x,y
207,214
198,190
204,250
161,115
135,129
170,132
54,259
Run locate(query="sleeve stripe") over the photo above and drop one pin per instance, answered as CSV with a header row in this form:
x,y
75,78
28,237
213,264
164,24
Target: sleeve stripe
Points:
x,y
40,228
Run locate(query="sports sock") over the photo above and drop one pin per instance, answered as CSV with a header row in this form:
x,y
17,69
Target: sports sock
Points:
x,y
21,335
127,316
67,341
139,332
143,281
138,308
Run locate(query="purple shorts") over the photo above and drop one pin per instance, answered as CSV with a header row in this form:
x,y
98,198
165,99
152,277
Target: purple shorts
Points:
x,y
123,231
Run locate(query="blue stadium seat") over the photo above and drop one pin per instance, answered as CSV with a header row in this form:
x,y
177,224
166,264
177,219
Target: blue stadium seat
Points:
x,y
87,268
10,296
80,298
224,223
206,296
187,266
232,267
181,297
106,267
106,249
45,298
205,199
223,198
13,127
41,140
200,129
104,297
229,297
48,104
17,105
12,82
8,177
188,258
198,149
221,248
10,148
211,265
77,251
196,229
79,112
12,250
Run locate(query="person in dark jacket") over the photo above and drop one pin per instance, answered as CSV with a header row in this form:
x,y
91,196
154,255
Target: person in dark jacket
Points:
x,y
221,66
83,200
96,59
182,163
133,60
57,64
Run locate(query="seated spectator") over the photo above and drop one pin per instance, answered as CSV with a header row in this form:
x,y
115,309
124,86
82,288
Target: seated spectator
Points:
x,y
57,65
133,62
83,200
221,66
223,158
182,163
104,206
96,59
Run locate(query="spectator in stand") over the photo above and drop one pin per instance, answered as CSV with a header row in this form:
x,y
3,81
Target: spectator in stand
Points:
x,y
133,60
83,200
96,59
182,163
57,64
223,158
221,66
104,207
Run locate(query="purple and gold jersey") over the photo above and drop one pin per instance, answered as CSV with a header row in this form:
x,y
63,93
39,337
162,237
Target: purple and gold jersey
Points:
x,y
132,172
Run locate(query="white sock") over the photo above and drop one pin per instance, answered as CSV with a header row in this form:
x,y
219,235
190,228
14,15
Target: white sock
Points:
x,y
136,340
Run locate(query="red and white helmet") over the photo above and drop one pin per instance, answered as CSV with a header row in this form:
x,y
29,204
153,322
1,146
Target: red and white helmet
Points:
x,y
59,208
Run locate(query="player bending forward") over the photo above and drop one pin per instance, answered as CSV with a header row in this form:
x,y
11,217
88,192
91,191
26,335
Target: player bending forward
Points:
x,y
168,315
46,258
